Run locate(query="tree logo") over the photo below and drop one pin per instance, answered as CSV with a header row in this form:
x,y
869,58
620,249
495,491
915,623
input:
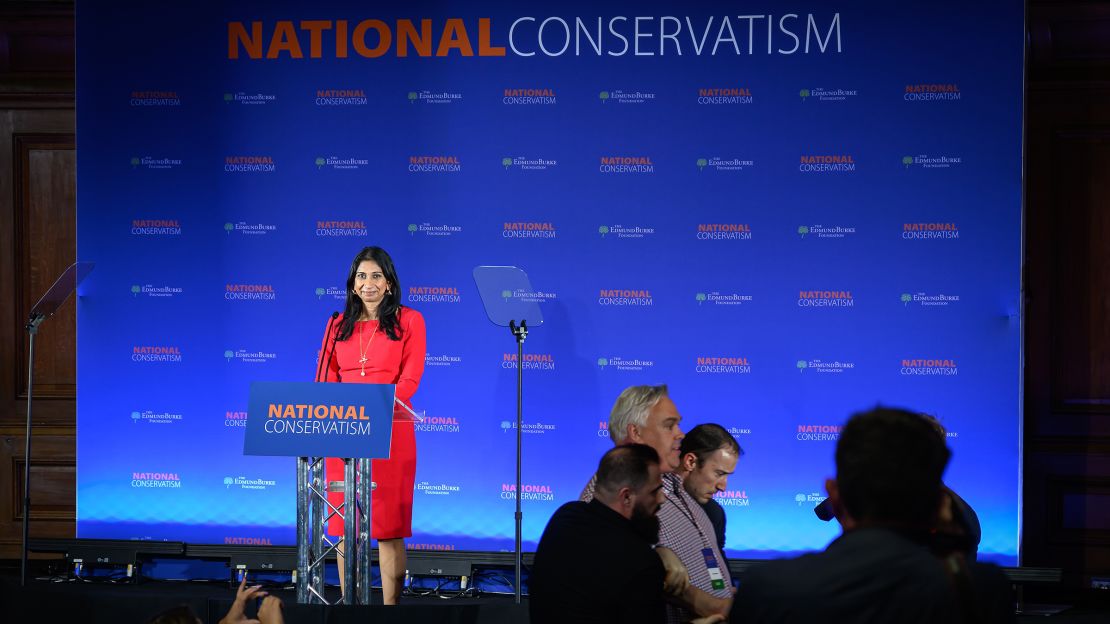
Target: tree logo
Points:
x,y
803,230
700,297
228,227
228,482
135,162
702,163
506,425
412,229
799,498
604,95
506,295
320,162
804,93
907,161
507,162
135,416
228,97
802,365
320,292
906,299
412,97
602,362
603,230
136,289
229,355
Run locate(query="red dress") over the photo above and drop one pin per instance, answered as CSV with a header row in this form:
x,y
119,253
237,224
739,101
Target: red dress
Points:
x,y
398,362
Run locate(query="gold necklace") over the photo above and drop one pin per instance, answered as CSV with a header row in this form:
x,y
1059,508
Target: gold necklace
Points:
x,y
362,352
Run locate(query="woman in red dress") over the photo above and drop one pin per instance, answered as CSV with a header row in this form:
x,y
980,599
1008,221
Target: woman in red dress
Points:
x,y
377,340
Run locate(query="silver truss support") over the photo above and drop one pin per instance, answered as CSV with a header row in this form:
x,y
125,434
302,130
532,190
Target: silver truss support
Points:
x,y
313,545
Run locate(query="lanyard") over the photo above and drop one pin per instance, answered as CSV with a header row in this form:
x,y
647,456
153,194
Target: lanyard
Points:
x,y
688,513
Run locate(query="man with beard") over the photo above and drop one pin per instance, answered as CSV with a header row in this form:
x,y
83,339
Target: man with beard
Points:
x,y
595,562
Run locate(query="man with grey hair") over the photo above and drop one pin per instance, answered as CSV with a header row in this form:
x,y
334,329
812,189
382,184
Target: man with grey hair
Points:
x,y
647,415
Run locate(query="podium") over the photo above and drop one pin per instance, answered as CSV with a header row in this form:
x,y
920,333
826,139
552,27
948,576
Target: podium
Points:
x,y
312,421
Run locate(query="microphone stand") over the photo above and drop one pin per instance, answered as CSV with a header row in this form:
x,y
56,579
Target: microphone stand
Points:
x,y
32,327
520,333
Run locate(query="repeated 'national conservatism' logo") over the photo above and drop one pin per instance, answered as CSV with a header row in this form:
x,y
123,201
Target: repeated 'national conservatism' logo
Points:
x,y
626,164
624,297
155,480
529,229
827,163
341,228
532,361
435,163
930,231
155,227
434,294
931,93
340,97
528,492
249,164
155,98
156,354
722,365
732,498
529,96
818,433
249,292
724,95
929,367
724,231
826,299
437,424
235,419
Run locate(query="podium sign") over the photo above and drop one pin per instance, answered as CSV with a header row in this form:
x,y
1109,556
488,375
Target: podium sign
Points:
x,y
302,419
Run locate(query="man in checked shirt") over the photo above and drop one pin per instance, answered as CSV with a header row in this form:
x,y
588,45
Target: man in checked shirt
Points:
x,y
646,415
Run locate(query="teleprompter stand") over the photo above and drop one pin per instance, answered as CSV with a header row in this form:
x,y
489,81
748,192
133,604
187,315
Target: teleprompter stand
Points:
x,y
507,296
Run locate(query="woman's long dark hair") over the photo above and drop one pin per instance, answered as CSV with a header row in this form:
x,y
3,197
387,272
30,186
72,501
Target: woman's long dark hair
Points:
x,y
391,302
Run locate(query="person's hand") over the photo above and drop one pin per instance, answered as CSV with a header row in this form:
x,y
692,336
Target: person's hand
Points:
x,y
270,611
677,579
717,617
236,615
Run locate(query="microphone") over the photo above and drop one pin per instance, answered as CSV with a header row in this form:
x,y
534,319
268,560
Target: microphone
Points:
x,y
327,334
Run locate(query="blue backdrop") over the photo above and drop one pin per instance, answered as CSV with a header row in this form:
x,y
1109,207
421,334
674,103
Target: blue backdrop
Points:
x,y
786,211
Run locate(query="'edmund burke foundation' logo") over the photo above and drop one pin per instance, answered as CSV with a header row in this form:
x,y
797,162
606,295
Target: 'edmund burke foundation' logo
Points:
x,y
724,231
331,292
925,161
243,483
157,292
155,480
428,96
447,361
818,433
529,229
930,231
340,97
249,357
626,164
824,366
155,98
826,299
341,228
434,164
155,354
532,361
524,163
825,231
339,163
156,418
529,97
625,231
249,229
926,367
437,230
827,95
722,365
827,163
249,164
716,297
626,97
250,99
249,292
717,163
528,492
625,297
433,294
437,489
149,162
616,362
155,227
528,296
931,93
928,300
727,95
